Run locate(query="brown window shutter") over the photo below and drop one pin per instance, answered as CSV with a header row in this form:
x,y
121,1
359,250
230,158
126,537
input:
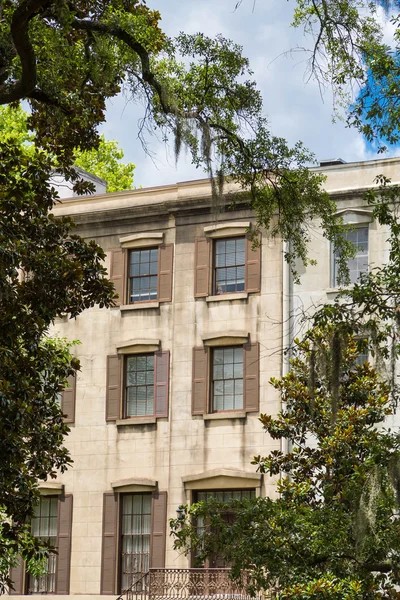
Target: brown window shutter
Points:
x,y
251,377
200,381
253,266
113,391
202,267
68,397
117,274
161,383
64,543
109,544
165,265
158,530
17,577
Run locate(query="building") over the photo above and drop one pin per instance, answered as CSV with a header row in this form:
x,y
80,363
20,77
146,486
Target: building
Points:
x,y
165,408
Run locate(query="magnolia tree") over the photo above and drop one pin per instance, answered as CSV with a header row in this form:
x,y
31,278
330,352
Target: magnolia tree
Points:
x,y
333,532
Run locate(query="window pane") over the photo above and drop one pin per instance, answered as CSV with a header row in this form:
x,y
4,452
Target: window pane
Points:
x,y
228,355
218,371
134,270
229,387
218,357
131,378
239,387
228,402
228,371
154,255
135,257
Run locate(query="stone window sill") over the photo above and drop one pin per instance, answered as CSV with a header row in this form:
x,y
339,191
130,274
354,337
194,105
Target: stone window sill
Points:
x,y
336,290
139,306
234,414
226,297
136,421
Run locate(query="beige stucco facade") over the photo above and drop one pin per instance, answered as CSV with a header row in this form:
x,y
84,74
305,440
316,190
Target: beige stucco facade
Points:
x,y
182,452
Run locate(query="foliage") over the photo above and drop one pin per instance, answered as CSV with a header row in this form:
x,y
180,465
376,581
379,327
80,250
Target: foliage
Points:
x,y
333,531
66,59
104,161
45,271
351,54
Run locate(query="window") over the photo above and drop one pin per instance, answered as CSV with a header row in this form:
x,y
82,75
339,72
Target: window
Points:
x,y
139,385
229,266
44,526
363,353
225,496
233,262
359,264
135,537
143,275
52,522
362,357
227,379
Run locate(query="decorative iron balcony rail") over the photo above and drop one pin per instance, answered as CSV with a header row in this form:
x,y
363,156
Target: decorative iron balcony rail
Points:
x,y
187,584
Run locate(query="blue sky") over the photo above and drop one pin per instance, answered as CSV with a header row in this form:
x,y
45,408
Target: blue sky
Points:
x,y
296,108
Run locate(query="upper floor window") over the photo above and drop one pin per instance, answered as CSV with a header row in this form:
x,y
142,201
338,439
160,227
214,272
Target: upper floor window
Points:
x,y
229,265
143,275
227,379
139,385
226,265
359,264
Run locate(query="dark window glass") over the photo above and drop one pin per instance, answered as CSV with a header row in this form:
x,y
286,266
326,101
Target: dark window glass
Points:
x,y
139,391
143,275
229,265
135,534
227,378
44,526
358,264
221,496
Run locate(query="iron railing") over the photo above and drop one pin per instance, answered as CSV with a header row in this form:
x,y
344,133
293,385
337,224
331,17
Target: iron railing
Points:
x,y
46,583
187,584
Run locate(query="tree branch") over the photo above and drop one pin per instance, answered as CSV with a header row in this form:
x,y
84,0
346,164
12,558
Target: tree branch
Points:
x,y
19,32
147,75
